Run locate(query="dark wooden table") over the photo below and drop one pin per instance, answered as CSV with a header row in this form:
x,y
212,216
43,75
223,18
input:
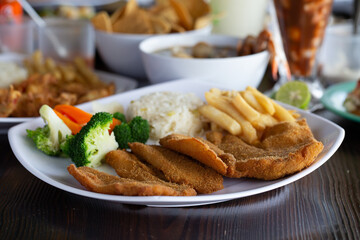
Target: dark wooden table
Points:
x,y
322,205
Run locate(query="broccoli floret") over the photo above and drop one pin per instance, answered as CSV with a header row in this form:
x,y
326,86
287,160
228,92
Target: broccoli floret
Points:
x,y
120,116
49,137
40,136
123,135
66,145
138,130
93,141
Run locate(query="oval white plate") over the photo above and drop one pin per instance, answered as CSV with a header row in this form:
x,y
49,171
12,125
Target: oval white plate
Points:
x,y
53,170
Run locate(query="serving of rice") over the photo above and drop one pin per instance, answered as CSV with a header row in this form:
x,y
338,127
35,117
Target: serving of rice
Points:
x,y
11,73
168,112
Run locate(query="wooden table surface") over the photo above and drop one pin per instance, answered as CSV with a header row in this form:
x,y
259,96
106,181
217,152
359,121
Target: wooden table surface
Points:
x,y
322,205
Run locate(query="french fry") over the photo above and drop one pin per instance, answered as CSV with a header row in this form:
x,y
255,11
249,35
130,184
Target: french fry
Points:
x,y
251,109
220,118
229,93
281,113
265,120
251,100
68,73
215,91
223,104
86,72
29,67
244,108
264,101
57,74
294,113
50,65
37,59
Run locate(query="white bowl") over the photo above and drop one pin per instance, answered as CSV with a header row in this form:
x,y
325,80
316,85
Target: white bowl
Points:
x,y
232,72
121,54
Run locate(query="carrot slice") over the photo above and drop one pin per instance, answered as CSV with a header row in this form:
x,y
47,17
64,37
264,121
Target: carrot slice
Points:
x,y
114,124
75,114
74,127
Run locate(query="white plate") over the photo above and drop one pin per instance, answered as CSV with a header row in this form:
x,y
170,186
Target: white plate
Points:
x,y
122,84
38,3
53,171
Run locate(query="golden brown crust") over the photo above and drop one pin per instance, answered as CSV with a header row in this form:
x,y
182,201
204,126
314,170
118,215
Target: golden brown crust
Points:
x,y
179,168
127,165
286,148
195,148
101,182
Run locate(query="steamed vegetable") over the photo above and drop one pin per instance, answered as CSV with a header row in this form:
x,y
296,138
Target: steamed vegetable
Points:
x,y
93,142
49,137
137,130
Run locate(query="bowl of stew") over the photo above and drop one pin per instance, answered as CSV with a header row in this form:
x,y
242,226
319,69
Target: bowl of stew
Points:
x,y
212,58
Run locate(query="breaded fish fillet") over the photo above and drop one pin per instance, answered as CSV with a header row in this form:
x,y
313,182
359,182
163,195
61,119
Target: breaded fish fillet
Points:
x,y
127,165
285,148
201,150
179,168
102,182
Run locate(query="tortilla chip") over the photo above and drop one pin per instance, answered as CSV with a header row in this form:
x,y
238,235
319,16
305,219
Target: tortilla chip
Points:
x,y
162,2
102,22
136,23
159,24
131,7
202,22
166,12
185,18
176,28
117,15
197,8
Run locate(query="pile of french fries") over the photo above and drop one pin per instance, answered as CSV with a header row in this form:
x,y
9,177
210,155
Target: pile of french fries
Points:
x,y
78,71
244,113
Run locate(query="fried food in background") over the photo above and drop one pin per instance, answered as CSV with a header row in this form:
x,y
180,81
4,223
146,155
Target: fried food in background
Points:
x,y
9,98
179,168
51,83
102,182
166,16
284,149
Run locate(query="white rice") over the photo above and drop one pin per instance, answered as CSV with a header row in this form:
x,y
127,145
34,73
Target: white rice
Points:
x,y
168,112
11,73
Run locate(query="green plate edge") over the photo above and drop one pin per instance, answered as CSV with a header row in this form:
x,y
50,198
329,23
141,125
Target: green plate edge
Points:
x,y
337,88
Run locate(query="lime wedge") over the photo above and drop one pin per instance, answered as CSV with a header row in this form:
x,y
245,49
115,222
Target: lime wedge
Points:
x,y
295,93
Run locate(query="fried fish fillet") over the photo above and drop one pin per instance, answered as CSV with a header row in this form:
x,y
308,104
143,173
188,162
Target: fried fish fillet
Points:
x,y
102,182
285,148
199,149
179,168
127,165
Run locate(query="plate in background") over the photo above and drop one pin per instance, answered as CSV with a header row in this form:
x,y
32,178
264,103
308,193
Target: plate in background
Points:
x,y
334,98
122,84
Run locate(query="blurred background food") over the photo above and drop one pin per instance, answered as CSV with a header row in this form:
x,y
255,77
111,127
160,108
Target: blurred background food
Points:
x,y
43,81
233,72
118,27
119,33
